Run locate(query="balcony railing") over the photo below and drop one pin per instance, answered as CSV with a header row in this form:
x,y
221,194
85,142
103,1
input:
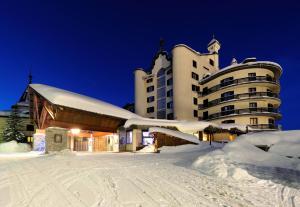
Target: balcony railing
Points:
x,y
237,82
264,126
241,111
237,97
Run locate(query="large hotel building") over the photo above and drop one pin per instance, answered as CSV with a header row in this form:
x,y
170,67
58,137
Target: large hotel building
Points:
x,y
189,85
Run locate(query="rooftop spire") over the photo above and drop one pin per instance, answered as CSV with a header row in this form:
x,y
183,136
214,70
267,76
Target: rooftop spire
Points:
x,y
161,44
30,77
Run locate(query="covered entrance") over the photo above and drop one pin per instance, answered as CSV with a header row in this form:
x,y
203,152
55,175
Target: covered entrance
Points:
x,y
90,141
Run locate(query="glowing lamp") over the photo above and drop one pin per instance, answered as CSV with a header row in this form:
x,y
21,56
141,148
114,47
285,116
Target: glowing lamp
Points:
x,y
75,131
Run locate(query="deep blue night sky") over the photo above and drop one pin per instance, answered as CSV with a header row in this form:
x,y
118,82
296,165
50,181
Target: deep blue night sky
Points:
x,y
92,48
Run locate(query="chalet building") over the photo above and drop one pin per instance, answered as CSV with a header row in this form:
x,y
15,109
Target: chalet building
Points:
x,y
189,85
66,120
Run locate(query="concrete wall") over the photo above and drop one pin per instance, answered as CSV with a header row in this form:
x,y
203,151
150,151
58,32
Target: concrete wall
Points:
x,y
51,145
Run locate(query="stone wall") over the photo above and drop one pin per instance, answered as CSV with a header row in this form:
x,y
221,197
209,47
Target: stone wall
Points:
x,y
56,139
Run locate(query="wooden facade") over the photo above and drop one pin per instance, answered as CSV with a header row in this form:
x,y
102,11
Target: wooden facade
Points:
x,y
46,114
167,140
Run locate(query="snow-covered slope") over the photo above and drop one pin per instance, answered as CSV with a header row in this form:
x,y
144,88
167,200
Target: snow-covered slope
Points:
x,y
73,100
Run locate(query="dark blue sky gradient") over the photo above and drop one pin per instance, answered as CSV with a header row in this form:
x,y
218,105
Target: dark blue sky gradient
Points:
x,y
92,47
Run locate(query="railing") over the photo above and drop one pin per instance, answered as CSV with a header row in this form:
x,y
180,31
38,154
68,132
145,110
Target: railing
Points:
x,y
264,126
236,97
237,82
241,111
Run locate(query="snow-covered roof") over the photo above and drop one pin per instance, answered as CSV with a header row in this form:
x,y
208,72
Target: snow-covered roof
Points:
x,y
77,101
178,134
213,41
183,126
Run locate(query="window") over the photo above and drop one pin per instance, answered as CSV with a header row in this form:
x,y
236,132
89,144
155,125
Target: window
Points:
x,y
205,91
170,116
226,110
195,101
227,96
161,93
161,104
270,108
170,93
205,103
269,78
147,138
211,62
269,92
205,115
170,81
150,80
226,81
169,71
195,76
195,88
150,88
129,137
29,127
195,113
161,72
170,105
194,64
150,109
150,99
252,76
57,138
252,91
253,105
253,121
205,68
161,82
271,122
228,121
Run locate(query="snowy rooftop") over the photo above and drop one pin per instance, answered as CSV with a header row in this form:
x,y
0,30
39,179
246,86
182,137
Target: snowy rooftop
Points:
x,y
184,126
77,101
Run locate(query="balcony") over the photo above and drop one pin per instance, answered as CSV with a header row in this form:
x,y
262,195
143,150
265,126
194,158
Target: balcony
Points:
x,y
238,82
242,112
238,97
264,127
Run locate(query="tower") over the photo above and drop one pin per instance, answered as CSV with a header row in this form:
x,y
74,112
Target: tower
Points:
x,y
214,46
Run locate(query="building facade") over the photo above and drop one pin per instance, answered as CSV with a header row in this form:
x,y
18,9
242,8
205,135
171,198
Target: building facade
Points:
x,y
189,85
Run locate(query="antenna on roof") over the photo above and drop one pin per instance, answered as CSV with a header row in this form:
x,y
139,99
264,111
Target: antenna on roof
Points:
x,y
30,75
161,44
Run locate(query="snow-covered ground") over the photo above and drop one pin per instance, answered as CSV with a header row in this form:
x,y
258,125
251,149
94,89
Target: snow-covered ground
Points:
x,y
177,176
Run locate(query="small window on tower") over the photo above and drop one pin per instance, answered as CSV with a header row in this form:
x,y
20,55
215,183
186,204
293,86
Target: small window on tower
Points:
x,y
211,62
195,113
194,64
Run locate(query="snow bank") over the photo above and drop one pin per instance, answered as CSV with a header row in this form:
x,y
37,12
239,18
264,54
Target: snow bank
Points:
x,y
14,146
178,134
73,100
149,148
227,161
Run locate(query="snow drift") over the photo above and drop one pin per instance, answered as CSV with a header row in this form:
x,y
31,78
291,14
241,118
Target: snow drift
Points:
x,y
14,146
228,161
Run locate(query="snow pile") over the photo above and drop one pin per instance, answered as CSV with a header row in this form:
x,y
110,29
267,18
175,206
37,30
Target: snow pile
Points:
x,y
73,100
227,162
149,148
178,134
14,146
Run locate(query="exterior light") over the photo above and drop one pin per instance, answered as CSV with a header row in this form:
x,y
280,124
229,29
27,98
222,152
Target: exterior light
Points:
x,y
75,131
